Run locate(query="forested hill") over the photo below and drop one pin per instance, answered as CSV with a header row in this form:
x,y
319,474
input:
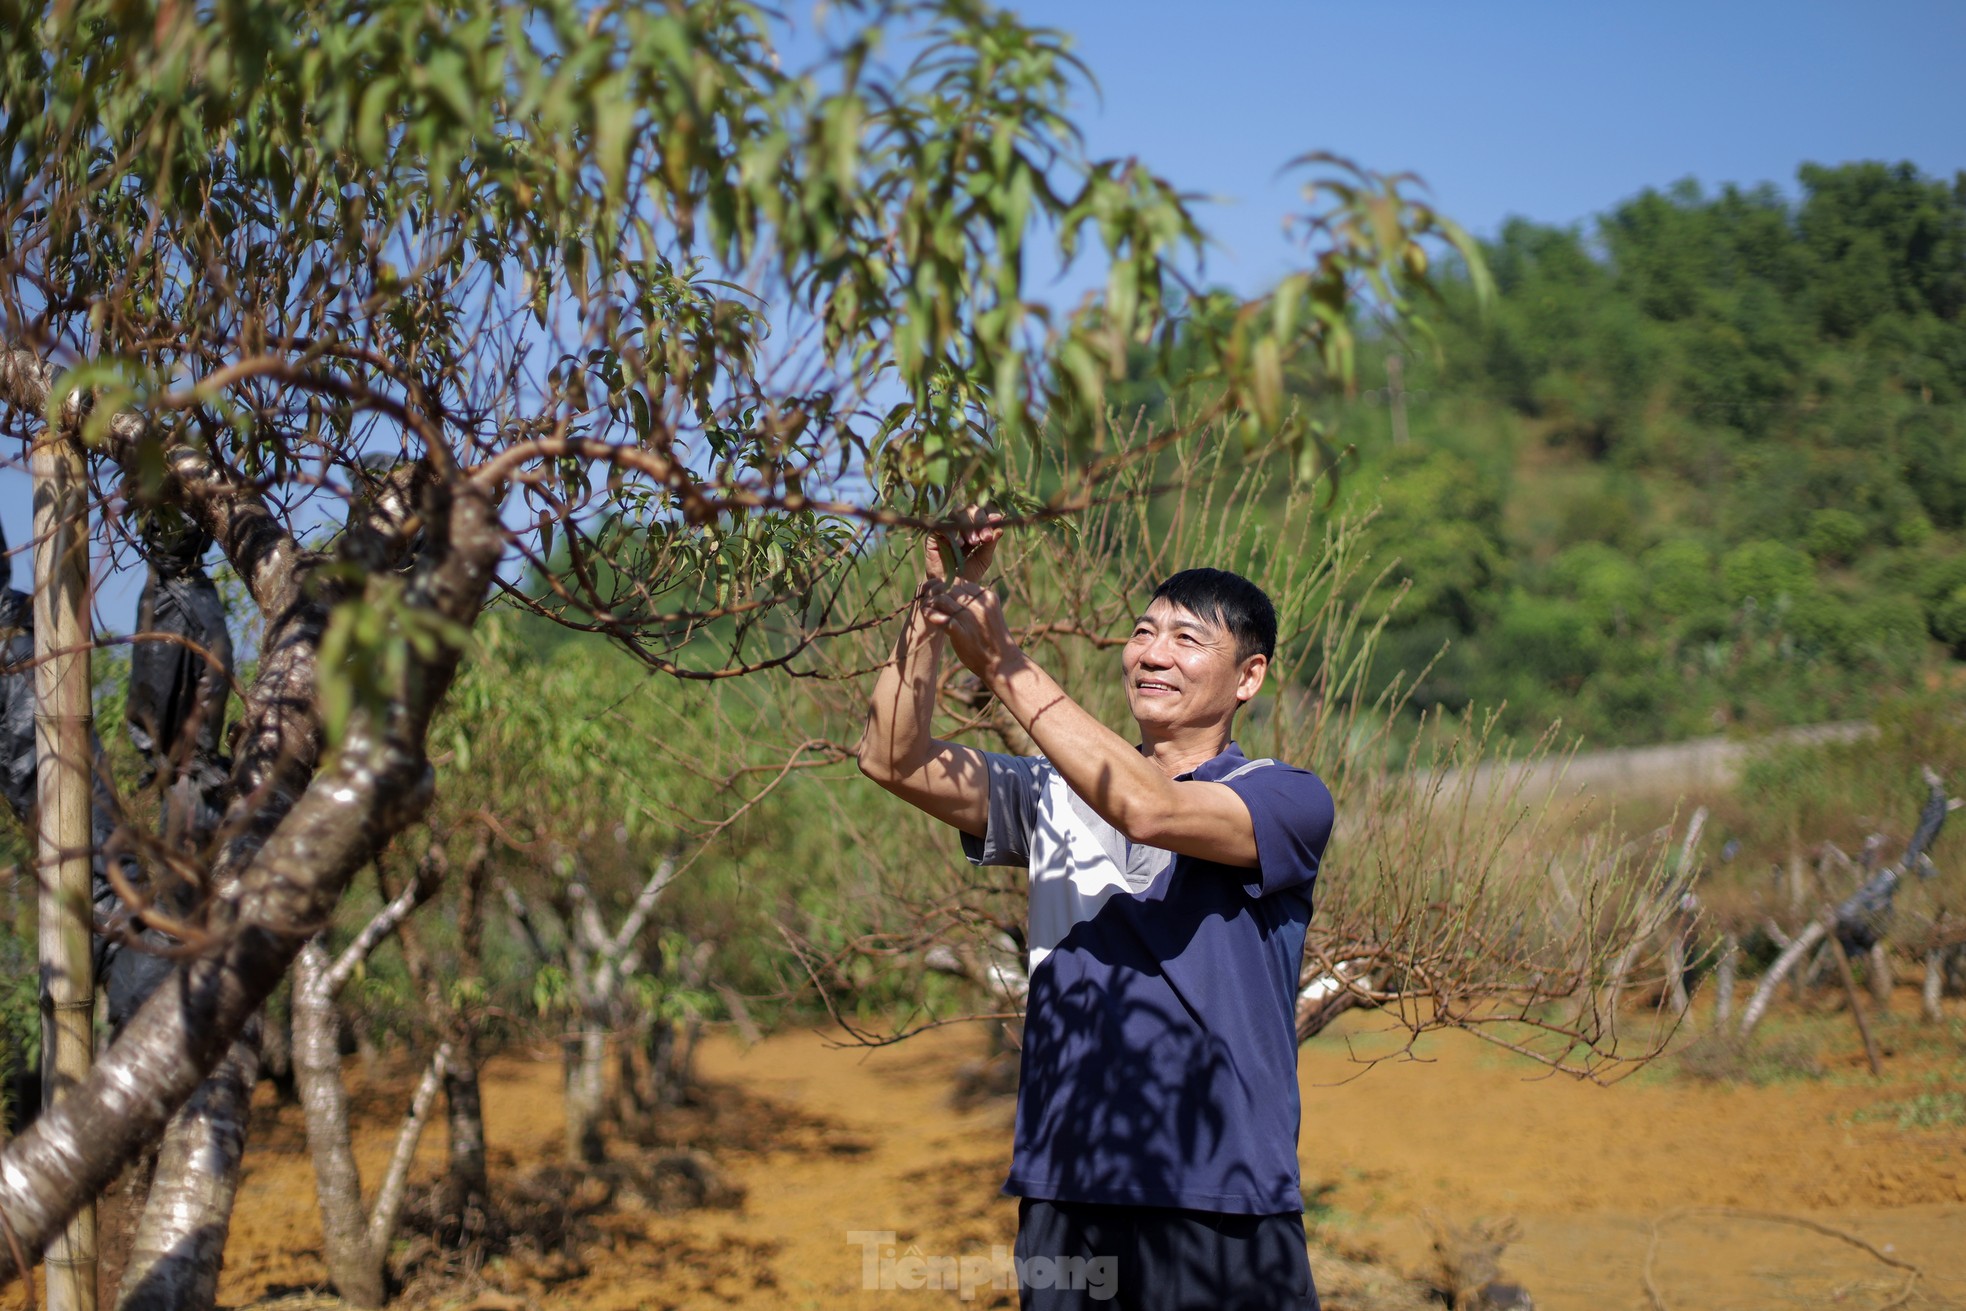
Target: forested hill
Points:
x,y
1703,465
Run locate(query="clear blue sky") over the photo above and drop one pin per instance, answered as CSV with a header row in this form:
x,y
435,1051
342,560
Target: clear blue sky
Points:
x,y
1551,110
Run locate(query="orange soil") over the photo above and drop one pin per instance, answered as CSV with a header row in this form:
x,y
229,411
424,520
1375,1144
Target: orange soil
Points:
x,y
829,1141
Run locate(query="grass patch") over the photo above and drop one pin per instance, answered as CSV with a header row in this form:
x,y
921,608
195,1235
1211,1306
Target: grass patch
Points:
x,y
1725,1058
1319,1209
1929,1110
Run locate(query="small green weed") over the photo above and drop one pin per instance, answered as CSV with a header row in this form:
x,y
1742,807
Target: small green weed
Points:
x,y
1319,1209
1724,1058
1931,1110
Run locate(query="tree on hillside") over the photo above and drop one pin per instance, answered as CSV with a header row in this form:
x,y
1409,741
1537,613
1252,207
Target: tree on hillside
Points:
x,y
1607,459
392,299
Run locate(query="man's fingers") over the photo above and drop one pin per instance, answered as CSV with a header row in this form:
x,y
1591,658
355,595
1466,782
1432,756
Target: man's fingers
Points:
x,y
946,601
975,526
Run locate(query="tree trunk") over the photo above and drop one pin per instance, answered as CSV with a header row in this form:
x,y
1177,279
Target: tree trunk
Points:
x,y
671,1048
1934,987
179,1246
467,1184
638,1090
586,1097
294,838
356,1247
1603,1001
353,1270
1811,974
1880,975
1329,995
394,1189
469,1180
1791,955
1676,970
682,1069
1315,1013
1724,973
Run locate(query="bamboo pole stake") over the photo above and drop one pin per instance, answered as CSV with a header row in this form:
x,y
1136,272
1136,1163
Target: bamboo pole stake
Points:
x,y
62,793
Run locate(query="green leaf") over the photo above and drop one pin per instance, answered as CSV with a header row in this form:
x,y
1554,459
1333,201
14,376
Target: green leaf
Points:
x,y
1266,378
371,127
614,122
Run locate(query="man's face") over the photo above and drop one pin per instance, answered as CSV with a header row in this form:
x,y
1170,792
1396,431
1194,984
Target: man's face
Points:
x,y
1181,670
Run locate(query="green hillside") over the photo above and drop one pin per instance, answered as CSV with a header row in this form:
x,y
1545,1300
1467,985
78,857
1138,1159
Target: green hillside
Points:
x,y
1702,465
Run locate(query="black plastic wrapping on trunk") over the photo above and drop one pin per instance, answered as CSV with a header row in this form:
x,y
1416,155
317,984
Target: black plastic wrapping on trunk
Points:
x,y
176,719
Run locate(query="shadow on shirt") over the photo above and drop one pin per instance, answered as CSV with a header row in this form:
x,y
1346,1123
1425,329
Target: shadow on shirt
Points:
x,y
1127,1095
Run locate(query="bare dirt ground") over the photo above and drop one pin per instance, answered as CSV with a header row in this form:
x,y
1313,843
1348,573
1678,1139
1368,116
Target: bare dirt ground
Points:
x,y
827,1142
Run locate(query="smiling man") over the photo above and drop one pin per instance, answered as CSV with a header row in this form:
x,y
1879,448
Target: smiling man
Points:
x,y
1170,889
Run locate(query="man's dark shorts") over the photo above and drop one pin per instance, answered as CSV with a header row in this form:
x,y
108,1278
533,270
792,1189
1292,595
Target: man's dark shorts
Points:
x,y
1077,1256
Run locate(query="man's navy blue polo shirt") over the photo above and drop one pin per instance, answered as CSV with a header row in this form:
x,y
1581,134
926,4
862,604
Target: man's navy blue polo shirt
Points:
x,y
1160,1044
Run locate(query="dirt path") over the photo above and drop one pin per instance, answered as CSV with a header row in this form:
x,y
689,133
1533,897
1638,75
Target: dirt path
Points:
x,y
831,1142
825,1142
1586,1171
1466,1133
1668,770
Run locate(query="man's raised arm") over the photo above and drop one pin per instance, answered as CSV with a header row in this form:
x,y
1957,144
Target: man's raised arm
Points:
x,y
1206,820
897,749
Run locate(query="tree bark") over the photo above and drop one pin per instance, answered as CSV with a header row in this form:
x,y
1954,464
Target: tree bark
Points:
x,y
1330,994
467,1184
175,716
1604,1000
1791,955
1724,974
179,1246
1676,970
266,557
586,1092
354,1247
596,963
293,861
1880,975
469,1181
637,1090
390,1194
352,1269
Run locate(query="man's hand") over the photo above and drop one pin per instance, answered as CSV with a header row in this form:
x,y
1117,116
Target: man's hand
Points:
x,y
897,750
972,617
964,547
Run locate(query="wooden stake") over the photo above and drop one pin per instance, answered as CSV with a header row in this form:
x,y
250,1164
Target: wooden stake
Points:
x,y
62,793
1850,991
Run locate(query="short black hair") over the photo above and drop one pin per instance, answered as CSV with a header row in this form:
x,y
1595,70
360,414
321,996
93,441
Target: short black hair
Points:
x,y
1220,597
